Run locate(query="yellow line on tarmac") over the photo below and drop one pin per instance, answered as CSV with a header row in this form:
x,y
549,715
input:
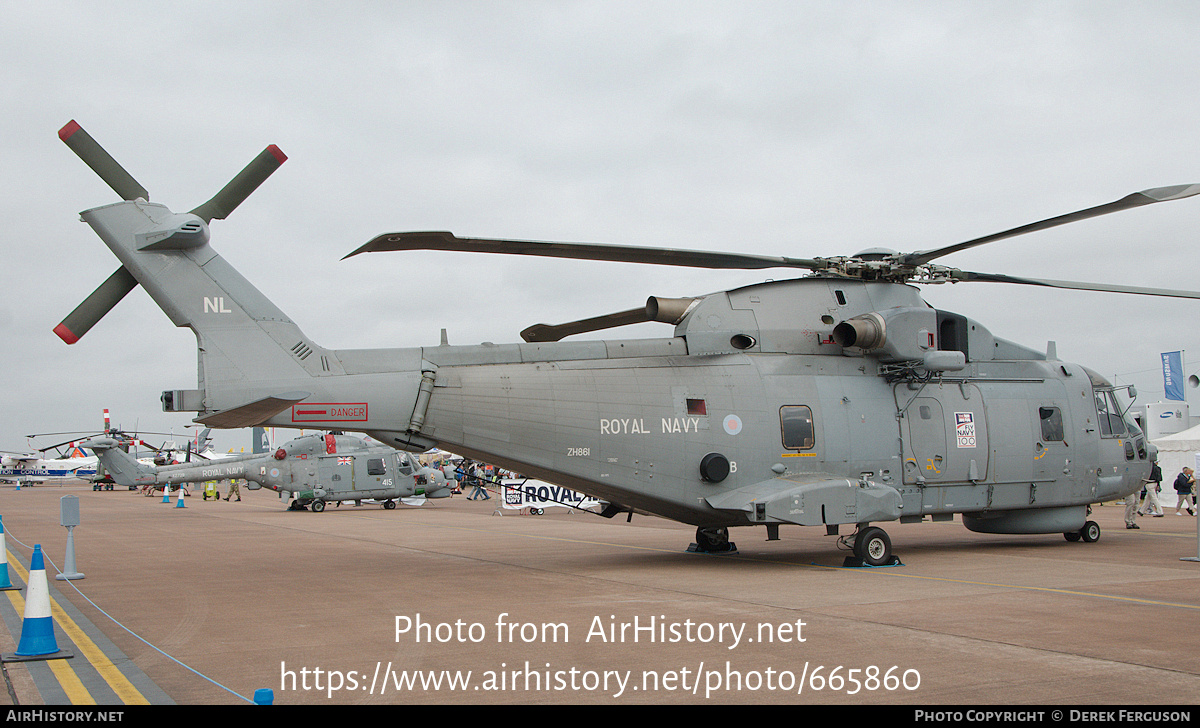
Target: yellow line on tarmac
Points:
x,y
70,682
1052,590
120,684
882,572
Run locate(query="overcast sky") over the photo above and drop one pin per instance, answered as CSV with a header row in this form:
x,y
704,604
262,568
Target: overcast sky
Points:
x,y
783,128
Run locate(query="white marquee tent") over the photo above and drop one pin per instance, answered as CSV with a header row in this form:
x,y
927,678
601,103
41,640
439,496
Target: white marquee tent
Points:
x,y
1175,452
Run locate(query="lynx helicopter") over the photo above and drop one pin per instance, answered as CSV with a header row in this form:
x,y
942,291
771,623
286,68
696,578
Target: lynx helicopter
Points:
x,y
840,398
315,469
73,464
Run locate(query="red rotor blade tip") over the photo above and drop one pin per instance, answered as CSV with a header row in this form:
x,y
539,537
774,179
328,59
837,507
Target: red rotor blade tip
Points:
x,y
65,334
66,132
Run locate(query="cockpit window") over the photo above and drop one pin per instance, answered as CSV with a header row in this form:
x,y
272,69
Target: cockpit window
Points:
x,y
403,464
1109,415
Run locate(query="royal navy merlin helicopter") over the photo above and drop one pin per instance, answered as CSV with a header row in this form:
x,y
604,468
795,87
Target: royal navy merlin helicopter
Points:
x,y
314,469
840,398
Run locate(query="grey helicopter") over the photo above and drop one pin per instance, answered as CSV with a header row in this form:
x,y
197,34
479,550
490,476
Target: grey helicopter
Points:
x,y
312,469
837,399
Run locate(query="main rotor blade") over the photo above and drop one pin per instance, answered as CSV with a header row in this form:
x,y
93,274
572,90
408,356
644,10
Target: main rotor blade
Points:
x,y
240,187
584,251
1137,199
101,162
1074,285
93,308
539,333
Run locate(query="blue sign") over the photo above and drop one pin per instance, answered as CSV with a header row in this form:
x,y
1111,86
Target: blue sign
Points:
x,y
1173,375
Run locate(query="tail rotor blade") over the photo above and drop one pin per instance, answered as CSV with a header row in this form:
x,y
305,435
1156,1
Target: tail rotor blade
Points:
x,y
240,187
101,162
93,308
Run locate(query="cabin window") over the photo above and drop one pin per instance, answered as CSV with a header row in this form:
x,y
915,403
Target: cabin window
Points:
x,y
697,407
1052,424
375,466
796,422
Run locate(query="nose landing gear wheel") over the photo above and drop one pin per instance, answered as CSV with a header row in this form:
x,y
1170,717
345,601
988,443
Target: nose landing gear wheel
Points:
x,y
1090,533
872,547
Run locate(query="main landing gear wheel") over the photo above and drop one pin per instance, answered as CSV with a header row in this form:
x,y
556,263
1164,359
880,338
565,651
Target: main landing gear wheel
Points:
x,y
317,506
712,541
1090,533
389,505
873,546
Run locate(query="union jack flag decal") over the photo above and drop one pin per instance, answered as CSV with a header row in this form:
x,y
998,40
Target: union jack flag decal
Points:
x,y
345,461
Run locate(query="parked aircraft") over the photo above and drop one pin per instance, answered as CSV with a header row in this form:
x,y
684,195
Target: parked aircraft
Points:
x,y
314,469
837,399
30,468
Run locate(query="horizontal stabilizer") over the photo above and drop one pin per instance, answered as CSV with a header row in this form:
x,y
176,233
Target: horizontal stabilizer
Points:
x,y
253,413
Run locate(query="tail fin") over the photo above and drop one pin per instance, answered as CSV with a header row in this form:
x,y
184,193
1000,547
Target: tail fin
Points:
x,y
262,443
203,440
123,467
253,360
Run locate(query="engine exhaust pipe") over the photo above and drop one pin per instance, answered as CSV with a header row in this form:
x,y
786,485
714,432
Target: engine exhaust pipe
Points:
x,y
867,331
668,310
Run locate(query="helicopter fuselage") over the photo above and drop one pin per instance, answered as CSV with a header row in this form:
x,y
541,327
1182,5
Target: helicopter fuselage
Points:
x,y
837,398
326,468
753,413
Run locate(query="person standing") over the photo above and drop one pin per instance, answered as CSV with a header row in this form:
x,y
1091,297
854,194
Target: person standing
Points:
x,y
480,479
1131,509
1183,487
1150,504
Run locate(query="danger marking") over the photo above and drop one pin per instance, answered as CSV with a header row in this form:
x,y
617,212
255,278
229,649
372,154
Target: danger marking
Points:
x,y
309,412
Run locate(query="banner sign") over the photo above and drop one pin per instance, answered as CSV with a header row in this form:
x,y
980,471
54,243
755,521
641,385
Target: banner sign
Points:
x,y
540,494
1172,362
